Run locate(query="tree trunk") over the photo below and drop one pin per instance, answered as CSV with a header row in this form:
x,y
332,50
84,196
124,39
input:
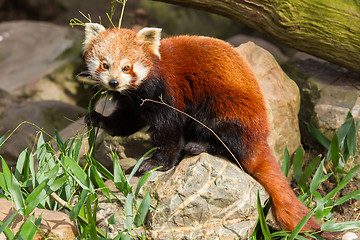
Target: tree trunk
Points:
x,y
329,29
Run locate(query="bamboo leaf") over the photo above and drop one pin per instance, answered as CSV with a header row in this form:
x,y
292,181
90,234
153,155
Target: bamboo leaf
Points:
x,y
286,162
99,181
319,136
8,221
263,224
301,224
344,181
2,140
17,195
334,150
28,229
355,194
129,211
143,210
332,226
137,165
298,161
320,206
315,183
309,170
76,210
143,179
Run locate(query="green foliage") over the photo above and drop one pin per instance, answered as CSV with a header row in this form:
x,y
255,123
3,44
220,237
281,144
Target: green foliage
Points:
x,y
59,174
339,149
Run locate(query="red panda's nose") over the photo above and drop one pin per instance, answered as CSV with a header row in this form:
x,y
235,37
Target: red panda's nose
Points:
x,y
113,83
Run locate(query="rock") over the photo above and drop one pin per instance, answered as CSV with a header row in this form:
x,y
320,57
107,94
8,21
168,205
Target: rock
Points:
x,y
54,225
204,197
40,61
45,115
328,93
350,236
268,46
282,98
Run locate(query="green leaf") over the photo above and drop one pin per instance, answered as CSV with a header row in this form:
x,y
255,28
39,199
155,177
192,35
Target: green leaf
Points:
x,y
76,210
351,139
263,224
332,226
334,150
120,180
8,233
316,181
28,229
137,165
6,175
301,224
143,210
59,141
35,198
320,206
129,211
319,136
101,169
298,161
16,194
98,180
344,129
143,179
8,221
309,170
344,181
2,140
78,173
286,162
355,194
20,164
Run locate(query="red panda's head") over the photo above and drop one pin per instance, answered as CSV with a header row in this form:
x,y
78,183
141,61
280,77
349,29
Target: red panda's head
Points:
x,y
120,59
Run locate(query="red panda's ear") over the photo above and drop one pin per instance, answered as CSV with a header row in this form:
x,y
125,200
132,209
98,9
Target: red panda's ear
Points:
x,y
151,36
92,30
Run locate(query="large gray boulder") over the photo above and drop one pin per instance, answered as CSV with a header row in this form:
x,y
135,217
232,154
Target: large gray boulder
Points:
x,y
33,117
204,197
40,61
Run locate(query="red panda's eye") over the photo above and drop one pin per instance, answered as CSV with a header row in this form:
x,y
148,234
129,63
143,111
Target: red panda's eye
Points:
x,y
126,69
105,66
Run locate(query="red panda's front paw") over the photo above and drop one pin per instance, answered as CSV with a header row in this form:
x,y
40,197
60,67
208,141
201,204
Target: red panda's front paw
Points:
x,y
93,119
150,164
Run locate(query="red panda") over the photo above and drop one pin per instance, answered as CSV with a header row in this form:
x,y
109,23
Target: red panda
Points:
x,y
201,76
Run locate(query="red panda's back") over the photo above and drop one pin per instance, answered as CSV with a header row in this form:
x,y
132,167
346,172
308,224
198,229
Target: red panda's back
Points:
x,y
197,68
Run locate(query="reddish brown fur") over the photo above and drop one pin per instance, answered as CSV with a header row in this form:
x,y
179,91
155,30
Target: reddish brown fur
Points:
x,y
198,70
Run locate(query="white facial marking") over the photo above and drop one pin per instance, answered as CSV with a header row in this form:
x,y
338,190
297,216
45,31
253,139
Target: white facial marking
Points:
x,y
141,72
93,64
